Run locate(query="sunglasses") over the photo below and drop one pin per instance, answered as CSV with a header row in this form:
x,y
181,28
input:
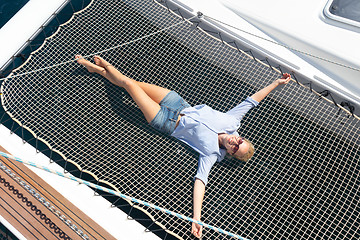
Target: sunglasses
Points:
x,y
236,147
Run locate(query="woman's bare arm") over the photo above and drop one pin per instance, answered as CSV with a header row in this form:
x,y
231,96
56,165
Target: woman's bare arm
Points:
x,y
260,95
199,191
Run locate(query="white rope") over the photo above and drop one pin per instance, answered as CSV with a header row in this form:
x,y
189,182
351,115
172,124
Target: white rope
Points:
x,y
96,127
107,190
42,200
99,52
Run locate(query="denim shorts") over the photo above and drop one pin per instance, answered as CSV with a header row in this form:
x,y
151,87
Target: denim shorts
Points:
x,y
170,108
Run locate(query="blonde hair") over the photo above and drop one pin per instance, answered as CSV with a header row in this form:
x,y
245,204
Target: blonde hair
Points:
x,y
245,157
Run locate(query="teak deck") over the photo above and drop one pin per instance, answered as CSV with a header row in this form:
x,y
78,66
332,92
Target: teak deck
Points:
x,y
31,217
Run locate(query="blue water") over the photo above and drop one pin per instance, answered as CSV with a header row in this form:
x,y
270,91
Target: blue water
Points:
x,y
8,8
6,234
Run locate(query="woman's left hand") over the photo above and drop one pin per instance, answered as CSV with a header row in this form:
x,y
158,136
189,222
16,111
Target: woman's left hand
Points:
x,y
196,230
260,95
286,77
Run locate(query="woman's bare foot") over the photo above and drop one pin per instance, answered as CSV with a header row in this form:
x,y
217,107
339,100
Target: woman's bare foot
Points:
x,y
90,66
114,75
101,62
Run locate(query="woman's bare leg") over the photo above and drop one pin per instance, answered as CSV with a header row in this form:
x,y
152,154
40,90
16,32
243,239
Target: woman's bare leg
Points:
x,y
155,92
147,96
148,106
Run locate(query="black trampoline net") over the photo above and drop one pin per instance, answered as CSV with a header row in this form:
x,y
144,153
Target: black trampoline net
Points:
x,y
303,181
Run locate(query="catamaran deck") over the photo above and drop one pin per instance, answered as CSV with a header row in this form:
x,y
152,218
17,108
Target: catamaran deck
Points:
x,y
306,134
96,211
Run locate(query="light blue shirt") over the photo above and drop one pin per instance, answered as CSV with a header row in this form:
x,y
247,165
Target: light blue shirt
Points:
x,y
200,126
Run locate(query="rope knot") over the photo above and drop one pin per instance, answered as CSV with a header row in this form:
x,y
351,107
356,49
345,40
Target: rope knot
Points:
x,y
347,104
324,93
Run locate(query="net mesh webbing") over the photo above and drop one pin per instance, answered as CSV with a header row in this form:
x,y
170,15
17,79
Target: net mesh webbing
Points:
x,y
303,181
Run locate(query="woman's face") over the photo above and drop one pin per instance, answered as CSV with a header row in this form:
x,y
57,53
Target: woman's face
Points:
x,y
236,146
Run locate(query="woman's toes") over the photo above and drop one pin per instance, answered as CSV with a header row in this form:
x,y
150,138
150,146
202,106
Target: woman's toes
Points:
x,y
79,59
97,61
89,66
101,62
